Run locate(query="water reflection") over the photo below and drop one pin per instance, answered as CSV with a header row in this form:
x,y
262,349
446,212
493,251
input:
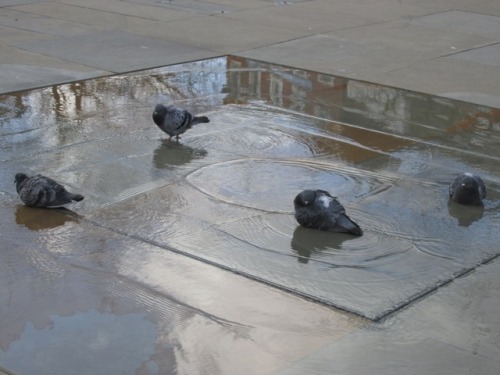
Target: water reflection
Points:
x,y
169,154
106,337
43,218
275,131
307,242
465,215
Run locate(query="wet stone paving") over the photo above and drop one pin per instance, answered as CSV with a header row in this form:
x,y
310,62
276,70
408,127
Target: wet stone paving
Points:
x,y
223,195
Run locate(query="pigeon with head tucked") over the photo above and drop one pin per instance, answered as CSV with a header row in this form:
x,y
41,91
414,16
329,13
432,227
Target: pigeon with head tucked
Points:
x,y
468,189
174,120
317,209
41,191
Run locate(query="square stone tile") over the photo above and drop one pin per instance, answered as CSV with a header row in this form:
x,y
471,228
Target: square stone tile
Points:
x,y
450,78
405,35
116,51
369,353
38,70
463,314
226,35
13,35
464,22
332,54
119,7
42,24
110,14
489,55
491,7
307,19
369,11
194,6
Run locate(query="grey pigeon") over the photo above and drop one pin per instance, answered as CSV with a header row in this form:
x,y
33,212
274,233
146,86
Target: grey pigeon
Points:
x,y
175,121
317,209
41,191
468,189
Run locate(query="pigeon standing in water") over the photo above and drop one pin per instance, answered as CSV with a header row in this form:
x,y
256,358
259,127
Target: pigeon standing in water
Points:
x,y
317,209
175,121
41,191
468,189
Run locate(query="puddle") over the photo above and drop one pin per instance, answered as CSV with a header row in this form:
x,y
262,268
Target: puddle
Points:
x,y
224,194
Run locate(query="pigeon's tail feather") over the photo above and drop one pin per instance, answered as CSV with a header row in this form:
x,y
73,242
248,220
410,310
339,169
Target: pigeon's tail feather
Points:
x,y
345,224
77,197
62,200
199,120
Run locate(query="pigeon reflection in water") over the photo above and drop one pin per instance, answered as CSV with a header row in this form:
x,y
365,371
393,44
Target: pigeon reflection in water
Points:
x,y
43,218
170,154
465,215
307,243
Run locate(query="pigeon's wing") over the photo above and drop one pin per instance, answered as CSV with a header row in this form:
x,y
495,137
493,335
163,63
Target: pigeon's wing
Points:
x,y
187,118
305,216
454,185
345,224
52,193
481,187
323,192
335,208
337,221
35,192
177,118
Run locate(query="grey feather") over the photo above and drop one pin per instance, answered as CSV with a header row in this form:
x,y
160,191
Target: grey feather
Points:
x,y
317,209
41,191
174,120
468,189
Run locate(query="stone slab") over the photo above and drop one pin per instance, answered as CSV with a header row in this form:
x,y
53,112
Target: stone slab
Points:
x,y
491,7
8,3
21,70
464,22
43,24
13,35
304,18
464,337
488,55
117,51
450,78
413,38
108,14
370,11
192,6
368,354
335,55
225,35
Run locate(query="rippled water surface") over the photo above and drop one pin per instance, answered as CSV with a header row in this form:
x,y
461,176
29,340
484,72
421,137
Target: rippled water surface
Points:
x,y
222,198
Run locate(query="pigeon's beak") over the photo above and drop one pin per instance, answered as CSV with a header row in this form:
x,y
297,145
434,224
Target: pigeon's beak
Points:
x,y
155,113
463,184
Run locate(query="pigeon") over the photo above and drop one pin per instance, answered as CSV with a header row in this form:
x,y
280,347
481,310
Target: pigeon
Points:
x,y
468,189
317,209
175,121
41,191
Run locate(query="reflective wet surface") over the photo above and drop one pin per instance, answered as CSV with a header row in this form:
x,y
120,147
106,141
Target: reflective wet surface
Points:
x,y
163,222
